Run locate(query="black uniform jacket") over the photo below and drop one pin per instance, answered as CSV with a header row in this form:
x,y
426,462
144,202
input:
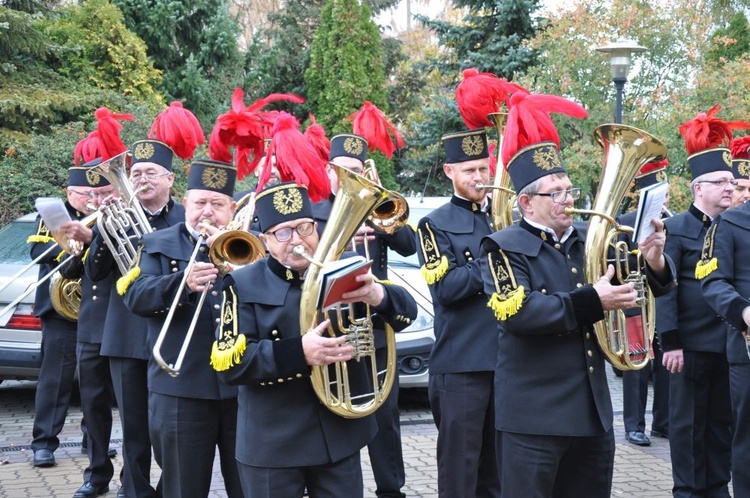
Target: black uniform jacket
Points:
x,y
124,332
550,377
727,288
164,256
41,242
465,331
684,319
94,297
281,422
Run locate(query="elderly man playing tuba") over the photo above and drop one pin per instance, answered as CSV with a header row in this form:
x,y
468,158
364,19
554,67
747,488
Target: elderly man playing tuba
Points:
x,y
287,439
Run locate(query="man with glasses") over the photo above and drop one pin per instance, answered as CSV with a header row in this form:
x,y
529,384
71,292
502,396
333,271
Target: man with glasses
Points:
x,y
554,416
286,438
386,457
694,338
56,374
125,343
193,413
462,361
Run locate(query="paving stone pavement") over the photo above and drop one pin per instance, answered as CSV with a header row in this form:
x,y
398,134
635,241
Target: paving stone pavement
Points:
x,y
640,472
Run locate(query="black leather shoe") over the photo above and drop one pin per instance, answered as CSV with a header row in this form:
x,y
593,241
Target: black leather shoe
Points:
x,y
111,453
638,438
44,458
89,489
661,434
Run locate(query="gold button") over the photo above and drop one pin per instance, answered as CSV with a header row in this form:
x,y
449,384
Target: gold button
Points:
x,y
277,339
590,353
216,306
591,370
298,376
262,383
214,293
280,381
270,383
93,298
574,270
579,285
202,249
557,246
174,270
93,287
588,335
173,262
274,332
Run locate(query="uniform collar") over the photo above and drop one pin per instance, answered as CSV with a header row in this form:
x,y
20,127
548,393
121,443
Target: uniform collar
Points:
x,y
545,233
284,273
164,209
700,215
469,205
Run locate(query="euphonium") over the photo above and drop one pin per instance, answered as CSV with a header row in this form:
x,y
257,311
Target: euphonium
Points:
x,y
626,151
356,199
503,197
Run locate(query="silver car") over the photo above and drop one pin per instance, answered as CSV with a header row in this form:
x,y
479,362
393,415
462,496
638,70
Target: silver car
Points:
x,y
20,330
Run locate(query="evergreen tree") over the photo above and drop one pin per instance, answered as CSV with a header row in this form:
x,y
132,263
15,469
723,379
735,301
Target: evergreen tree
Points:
x,y
194,43
732,42
346,65
490,37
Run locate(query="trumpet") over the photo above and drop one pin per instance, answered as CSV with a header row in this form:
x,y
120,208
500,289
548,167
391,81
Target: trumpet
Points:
x,y
230,250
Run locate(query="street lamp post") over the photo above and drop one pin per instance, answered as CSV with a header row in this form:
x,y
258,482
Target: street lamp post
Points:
x,y
620,51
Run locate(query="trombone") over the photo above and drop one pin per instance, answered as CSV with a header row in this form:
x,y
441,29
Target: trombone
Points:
x,y
234,248
70,246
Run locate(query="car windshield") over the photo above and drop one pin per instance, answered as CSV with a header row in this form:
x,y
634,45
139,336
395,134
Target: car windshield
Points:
x,y
13,247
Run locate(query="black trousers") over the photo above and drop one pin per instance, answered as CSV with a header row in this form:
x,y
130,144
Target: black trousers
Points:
x,y
185,433
463,409
342,479
55,384
635,394
739,383
386,457
129,379
700,420
536,466
95,385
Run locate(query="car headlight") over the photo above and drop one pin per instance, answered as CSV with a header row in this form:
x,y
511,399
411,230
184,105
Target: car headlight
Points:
x,y
423,321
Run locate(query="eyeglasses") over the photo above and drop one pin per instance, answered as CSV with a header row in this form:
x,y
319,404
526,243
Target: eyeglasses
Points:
x,y
719,183
285,234
151,175
560,196
91,194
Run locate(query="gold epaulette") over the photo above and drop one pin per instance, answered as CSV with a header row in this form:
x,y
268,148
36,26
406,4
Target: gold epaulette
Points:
x,y
227,351
134,272
85,255
708,263
39,239
435,266
508,296
384,282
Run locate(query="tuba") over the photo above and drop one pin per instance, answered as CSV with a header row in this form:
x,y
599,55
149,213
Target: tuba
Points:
x,y
503,197
626,151
357,199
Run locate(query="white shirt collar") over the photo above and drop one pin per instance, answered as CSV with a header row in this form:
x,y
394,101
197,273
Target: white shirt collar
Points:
x,y
548,230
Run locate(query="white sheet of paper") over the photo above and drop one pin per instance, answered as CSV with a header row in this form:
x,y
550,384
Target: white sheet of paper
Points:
x,y
650,206
53,212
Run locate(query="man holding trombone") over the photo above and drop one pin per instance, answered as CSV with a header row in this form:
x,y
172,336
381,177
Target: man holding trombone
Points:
x,y
56,375
193,411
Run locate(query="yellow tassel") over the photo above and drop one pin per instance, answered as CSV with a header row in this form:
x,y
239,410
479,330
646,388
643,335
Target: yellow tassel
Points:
x,y
507,307
433,275
705,268
41,239
225,359
85,255
60,256
124,282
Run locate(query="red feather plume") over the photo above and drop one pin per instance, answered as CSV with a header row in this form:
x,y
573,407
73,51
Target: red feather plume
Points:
x,y
296,159
706,131
316,136
108,128
88,149
179,129
243,130
740,147
480,94
653,166
371,124
529,120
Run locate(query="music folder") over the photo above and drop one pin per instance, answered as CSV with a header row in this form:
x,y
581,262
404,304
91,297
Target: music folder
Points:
x,y
53,212
650,206
340,277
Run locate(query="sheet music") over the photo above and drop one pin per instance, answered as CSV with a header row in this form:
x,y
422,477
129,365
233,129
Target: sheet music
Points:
x,y
649,207
53,212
